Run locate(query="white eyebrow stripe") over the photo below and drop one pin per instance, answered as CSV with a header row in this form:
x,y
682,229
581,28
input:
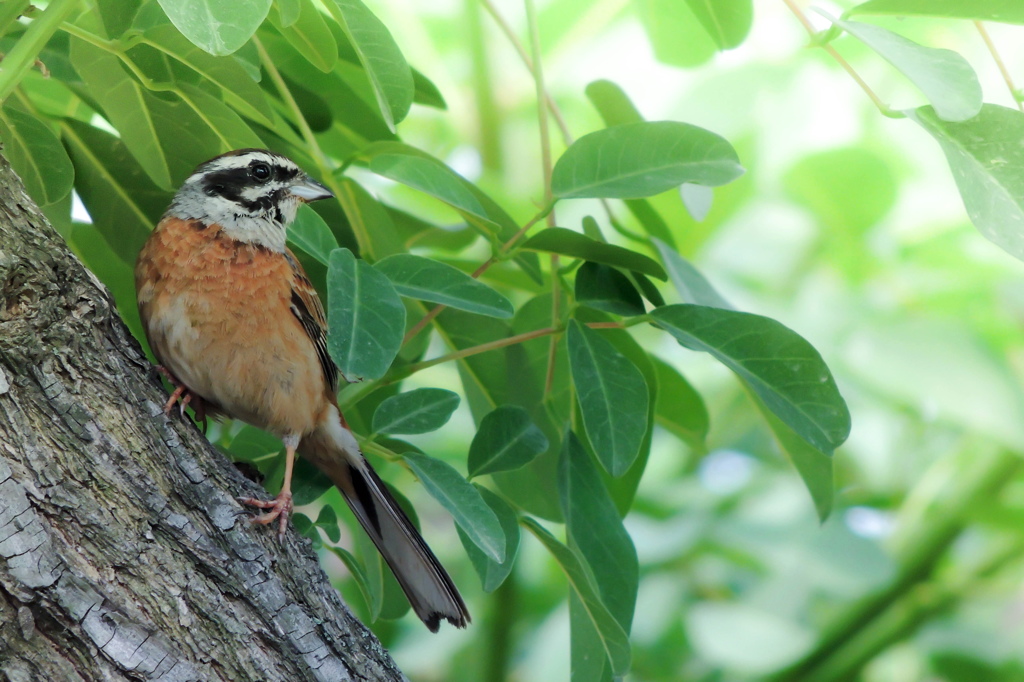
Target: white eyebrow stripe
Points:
x,y
243,161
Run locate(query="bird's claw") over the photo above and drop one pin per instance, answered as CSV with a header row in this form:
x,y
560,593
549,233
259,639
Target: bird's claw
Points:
x,y
184,397
279,508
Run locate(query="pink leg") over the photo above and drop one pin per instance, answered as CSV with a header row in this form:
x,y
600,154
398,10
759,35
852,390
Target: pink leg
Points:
x,y
281,506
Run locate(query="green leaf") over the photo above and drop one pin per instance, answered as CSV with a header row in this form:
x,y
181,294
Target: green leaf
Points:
x,y
306,528
612,394
251,444
365,318
506,439
210,114
612,103
778,365
493,574
697,199
595,528
613,637
426,92
637,160
308,483
484,376
218,26
726,21
520,376
327,519
356,118
240,91
680,408
152,127
473,515
369,220
310,233
623,488
429,280
587,659
372,593
309,34
566,242
36,155
675,34
418,411
592,229
416,232
495,223
813,465
987,161
288,11
945,78
94,251
688,280
381,57
122,201
647,288
1006,11
604,288
431,177
116,16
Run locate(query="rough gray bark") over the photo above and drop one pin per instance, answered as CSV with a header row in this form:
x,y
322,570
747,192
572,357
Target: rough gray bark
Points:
x,y
123,554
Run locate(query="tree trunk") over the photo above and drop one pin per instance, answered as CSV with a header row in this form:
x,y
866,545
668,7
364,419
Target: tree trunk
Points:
x,y
123,553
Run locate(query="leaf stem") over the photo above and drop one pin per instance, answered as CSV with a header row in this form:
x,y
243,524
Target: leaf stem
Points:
x,y
474,350
286,95
436,310
517,44
409,370
1017,96
547,165
543,213
802,17
25,52
488,117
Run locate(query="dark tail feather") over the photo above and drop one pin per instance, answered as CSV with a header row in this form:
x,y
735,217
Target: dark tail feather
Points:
x,y
433,596
430,591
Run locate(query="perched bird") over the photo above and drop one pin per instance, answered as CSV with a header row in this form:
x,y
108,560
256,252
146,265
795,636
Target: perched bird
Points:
x,y
240,331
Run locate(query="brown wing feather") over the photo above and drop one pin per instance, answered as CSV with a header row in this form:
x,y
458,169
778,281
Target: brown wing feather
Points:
x,y
307,308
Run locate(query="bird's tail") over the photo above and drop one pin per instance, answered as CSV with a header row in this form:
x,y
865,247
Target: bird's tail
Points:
x,y
430,590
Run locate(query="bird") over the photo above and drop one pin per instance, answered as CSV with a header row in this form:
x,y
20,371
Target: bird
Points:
x,y
239,331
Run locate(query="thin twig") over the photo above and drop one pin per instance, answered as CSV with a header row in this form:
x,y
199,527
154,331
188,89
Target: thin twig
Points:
x,y
436,310
286,95
517,44
999,63
409,370
547,165
882,106
475,350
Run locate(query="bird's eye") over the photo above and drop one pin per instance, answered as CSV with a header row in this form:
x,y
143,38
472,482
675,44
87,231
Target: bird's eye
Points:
x,y
261,172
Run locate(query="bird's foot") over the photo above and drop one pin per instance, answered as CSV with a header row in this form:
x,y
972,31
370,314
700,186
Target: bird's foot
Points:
x,y
279,508
184,396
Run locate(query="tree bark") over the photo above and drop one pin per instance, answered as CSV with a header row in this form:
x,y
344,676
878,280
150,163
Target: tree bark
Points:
x,y
123,553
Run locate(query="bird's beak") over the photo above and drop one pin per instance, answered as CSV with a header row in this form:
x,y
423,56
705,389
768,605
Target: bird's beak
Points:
x,y
307,189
